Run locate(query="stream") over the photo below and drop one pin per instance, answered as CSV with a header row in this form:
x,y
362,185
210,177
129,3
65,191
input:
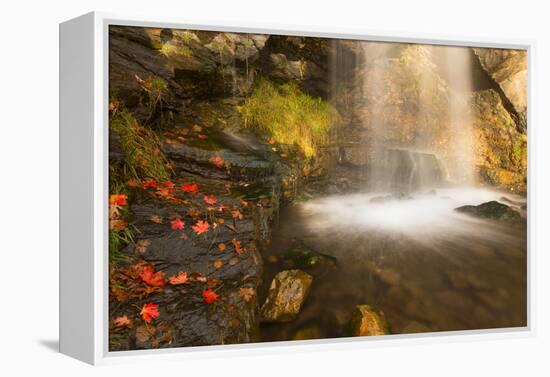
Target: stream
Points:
x,y
425,266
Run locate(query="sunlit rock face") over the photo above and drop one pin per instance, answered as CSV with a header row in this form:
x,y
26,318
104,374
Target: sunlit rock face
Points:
x,y
428,99
509,70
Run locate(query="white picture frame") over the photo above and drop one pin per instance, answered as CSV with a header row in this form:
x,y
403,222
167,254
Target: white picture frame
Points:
x,y
84,190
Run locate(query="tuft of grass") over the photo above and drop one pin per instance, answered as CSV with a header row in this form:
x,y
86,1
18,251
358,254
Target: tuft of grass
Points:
x,y
168,49
117,241
289,116
143,157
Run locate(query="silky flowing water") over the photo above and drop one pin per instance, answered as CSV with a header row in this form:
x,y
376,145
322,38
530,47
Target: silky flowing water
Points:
x,y
427,267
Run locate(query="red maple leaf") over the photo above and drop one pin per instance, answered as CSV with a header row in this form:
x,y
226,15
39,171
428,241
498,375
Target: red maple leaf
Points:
x,y
177,224
201,227
238,247
149,312
181,278
156,279
210,199
151,183
190,187
209,296
165,192
202,136
118,199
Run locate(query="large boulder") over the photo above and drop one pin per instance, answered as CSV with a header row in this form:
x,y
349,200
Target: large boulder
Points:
x,y
366,321
286,295
508,68
492,210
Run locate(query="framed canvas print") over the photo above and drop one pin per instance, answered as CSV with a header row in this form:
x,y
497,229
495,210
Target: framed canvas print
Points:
x,y
227,187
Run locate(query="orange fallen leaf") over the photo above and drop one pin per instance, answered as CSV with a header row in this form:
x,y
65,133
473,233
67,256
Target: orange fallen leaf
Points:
x,y
142,245
150,184
210,199
201,227
218,263
121,322
247,293
221,246
181,278
237,214
168,184
238,247
218,161
118,199
191,188
177,224
150,277
156,219
149,312
117,224
209,296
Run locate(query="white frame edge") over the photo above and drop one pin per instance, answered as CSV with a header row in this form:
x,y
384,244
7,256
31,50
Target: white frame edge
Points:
x,y
84,190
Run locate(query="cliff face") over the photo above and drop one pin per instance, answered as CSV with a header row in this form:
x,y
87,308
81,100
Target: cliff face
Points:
x,y
467,106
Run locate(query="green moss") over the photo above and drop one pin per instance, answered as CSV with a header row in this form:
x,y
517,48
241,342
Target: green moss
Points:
x,y
143,157
289,116
169,49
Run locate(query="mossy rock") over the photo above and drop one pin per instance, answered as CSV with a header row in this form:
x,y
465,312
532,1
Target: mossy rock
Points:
x,y
366,321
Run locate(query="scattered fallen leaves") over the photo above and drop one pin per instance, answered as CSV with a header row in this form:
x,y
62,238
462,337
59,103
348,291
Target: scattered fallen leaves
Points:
x,y
247,293
156,219
150,184
201,227
177,224
237,214
218,263
149,276
221,246
180,278
149,312
118,199
233,261
210,199
165,192
193,212
122,322
209,296
191,188
202,136
212,282
142,245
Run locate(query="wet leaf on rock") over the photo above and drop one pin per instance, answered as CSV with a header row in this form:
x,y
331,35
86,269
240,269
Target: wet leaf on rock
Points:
x,y
142,245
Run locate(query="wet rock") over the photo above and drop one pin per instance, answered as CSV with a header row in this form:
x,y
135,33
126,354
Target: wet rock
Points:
x,y
366,321
415,327
492,210
287,293
303,258
307,333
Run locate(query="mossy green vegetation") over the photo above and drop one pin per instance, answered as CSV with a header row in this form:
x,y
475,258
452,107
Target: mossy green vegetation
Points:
x,y
143,157
289,116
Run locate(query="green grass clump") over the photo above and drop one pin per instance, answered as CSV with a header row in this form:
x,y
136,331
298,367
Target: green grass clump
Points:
x,y
289,116
143,157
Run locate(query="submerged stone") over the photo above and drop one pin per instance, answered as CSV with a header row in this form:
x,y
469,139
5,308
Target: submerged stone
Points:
x,y
492,210
366,321
286,295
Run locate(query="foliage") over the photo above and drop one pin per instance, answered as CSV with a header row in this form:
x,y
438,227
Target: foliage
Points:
x,y
289,116
143,157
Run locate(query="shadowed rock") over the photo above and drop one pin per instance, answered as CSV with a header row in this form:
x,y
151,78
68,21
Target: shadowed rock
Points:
x,y
492,210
